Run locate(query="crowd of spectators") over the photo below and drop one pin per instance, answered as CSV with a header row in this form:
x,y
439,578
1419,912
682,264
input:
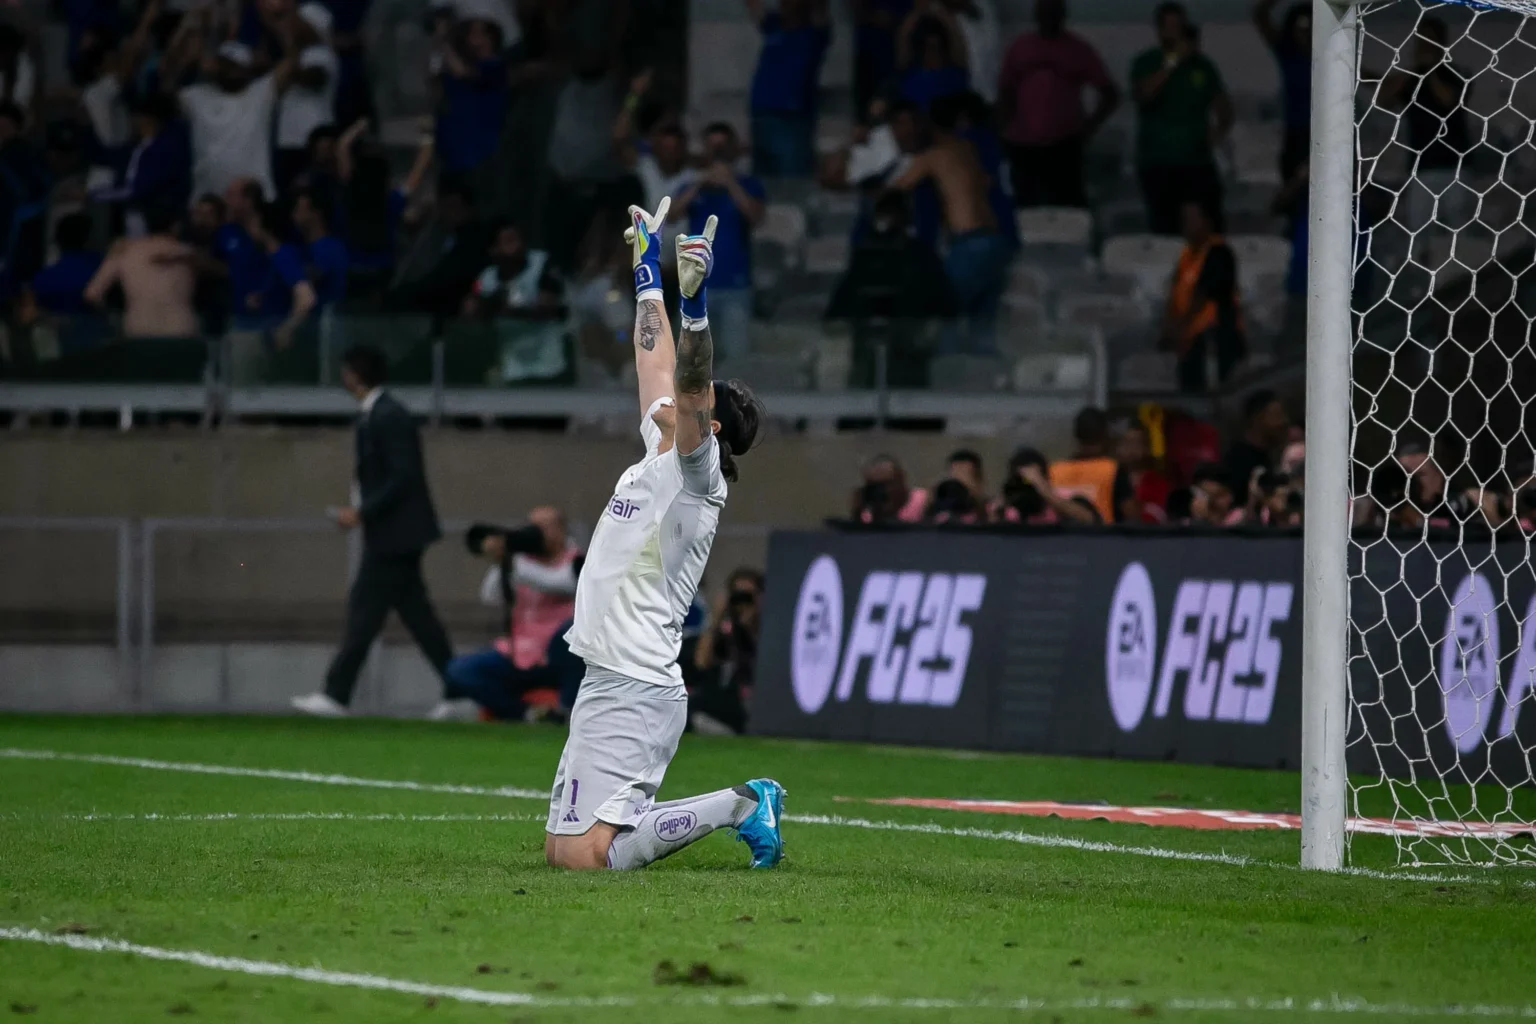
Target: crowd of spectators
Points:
x,y
1158,469
245,133
1148,469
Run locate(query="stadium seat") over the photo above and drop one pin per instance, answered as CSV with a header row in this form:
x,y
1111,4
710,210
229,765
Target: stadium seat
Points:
x,y
801,307
1150,259
967,373
826,257
1023,322
1147,371
1106,311
1052,371
783,223
770,373
1259,257
1055,225
1027,281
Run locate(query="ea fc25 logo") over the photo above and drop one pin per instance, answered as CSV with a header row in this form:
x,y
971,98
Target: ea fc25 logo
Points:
x,y
910,639
1221,646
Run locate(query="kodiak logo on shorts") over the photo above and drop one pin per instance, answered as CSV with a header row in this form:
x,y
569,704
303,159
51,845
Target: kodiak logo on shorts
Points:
x,y
675,827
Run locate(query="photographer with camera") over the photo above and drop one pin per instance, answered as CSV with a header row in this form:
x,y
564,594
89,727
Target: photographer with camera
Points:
x,y
533,579
1029,498
885,496
726,657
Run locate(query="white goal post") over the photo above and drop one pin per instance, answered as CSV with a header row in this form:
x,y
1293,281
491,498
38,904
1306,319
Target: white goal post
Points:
x,y
1417,659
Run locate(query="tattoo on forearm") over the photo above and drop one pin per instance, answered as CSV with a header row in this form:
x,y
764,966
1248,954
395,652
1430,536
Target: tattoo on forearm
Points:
x,y
695,363
648,324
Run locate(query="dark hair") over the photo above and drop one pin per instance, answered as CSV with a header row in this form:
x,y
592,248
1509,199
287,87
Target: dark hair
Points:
x,y
965,455
367,364
946,111
214,200
739,414
667,125
10,111
314,204
744,573
1293,15
720,128
1257,402
72,232
455,185
161,218
273,219
1210,472
1027,456
324,131
155,105
251,192
1091,426
1170,7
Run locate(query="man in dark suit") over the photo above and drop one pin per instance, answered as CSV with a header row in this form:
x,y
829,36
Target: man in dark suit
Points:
x,y
398,521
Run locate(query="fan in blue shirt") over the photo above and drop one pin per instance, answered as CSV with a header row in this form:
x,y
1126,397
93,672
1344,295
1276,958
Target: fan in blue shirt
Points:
x,y
324,253
931,53
738,201
795,41
286,296
59,288
474,84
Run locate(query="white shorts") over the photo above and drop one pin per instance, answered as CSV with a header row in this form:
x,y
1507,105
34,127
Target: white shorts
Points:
x,y
623,735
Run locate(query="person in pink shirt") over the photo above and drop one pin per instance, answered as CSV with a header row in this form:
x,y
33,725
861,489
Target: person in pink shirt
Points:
x,y
1040,106
885,496
533,579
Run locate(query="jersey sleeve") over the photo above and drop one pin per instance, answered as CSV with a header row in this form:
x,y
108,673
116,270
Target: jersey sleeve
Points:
x,y
650,433
701,469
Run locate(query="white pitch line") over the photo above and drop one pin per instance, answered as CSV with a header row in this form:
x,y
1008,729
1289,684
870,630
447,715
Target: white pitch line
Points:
x,y
1023,838
288,816
1334,1004
274,773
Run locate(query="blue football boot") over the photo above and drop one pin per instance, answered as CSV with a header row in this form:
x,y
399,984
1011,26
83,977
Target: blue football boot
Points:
x,y
761,829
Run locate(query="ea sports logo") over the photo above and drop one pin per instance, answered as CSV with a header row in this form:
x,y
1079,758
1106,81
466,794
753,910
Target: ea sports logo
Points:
x,y
1130,646
818,634
1469,661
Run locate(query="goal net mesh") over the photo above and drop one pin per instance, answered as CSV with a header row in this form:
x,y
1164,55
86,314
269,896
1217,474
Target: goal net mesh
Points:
x,y
1442,596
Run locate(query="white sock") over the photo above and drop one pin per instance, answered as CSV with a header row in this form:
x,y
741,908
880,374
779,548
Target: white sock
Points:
x,y
667,828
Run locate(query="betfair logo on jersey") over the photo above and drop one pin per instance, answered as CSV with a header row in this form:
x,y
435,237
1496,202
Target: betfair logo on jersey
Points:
x,y
909,642
622,508
1221,649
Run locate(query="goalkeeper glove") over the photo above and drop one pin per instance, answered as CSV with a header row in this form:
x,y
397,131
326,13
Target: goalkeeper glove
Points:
x,y
695,259
644,240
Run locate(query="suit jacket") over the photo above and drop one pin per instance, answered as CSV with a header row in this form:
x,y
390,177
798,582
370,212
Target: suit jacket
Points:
x,y
396,506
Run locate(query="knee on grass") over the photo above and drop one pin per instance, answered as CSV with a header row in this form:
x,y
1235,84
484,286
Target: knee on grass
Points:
x,y
586,852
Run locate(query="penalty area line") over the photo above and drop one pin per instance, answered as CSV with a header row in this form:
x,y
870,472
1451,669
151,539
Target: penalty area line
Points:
x,y
1334,1004
1038,839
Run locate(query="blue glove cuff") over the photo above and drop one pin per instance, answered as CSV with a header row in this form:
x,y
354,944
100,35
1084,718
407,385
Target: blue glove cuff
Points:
x,y
648,275
693,309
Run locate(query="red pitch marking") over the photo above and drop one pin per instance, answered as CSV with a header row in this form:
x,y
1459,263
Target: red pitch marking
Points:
x,y
1188,817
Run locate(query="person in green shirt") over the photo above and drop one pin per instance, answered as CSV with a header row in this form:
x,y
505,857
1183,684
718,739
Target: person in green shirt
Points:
x,y
1183,112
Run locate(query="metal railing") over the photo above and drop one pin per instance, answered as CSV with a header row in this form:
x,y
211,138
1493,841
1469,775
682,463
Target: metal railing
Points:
x,y
135,635
445,373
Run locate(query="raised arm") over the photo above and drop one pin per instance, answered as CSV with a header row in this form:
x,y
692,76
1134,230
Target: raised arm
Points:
x,y
695,374
655,356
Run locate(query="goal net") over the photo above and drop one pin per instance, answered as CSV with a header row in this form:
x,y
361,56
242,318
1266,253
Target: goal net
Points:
x,y
1441,591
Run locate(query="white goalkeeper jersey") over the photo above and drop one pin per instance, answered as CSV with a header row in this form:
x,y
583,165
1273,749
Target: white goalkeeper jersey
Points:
x,y
646,558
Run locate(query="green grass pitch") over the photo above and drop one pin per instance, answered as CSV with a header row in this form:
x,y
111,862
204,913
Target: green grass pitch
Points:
x,y
436,891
